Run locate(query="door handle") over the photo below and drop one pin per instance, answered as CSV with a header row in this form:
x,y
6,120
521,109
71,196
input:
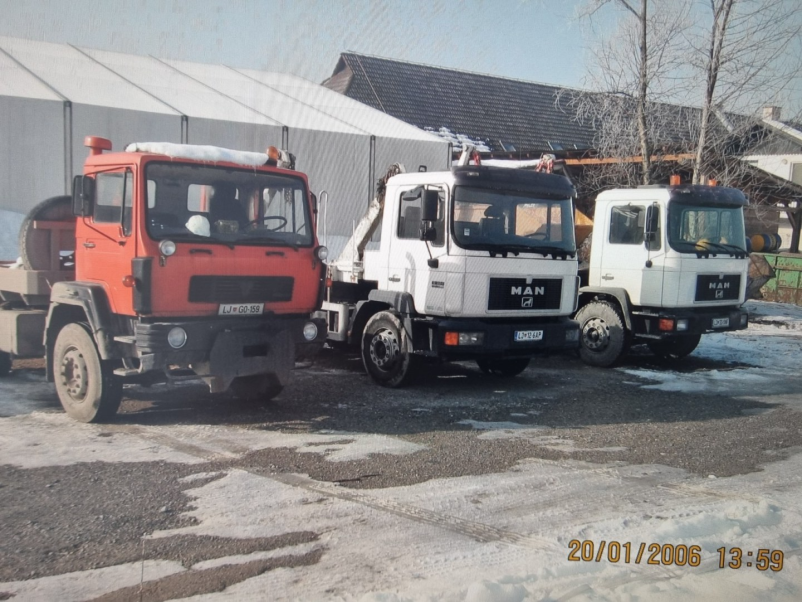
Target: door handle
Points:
x,y
394,278
608,277
89,245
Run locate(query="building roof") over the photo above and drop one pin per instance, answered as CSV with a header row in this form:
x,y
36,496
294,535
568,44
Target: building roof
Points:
x,y
501,113
42,70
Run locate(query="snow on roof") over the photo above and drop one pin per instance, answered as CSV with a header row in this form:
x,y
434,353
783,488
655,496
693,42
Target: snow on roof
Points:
x,y
199,153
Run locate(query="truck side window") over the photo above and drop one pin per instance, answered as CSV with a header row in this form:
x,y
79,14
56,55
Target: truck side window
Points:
x,y
409,220
627,225
113,191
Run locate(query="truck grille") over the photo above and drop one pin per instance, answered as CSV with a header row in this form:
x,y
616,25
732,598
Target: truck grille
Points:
x,y
515,293
240,289
718,288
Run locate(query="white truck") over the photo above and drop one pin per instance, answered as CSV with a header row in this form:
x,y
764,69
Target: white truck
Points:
x,y
667,264
477,263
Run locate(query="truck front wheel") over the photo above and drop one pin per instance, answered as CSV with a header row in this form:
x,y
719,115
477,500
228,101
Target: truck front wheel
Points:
x,y
675,348
86,385
602,334
386,350
5,363
508,367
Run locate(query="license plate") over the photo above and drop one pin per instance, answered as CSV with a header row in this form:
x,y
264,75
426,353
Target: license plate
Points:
x,y
721,322
528,335
240,309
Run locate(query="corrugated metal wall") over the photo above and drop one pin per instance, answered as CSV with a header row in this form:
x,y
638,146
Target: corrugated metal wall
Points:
x,y
53,95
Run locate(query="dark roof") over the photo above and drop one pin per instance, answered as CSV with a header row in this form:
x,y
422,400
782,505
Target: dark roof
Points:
x,y
501,112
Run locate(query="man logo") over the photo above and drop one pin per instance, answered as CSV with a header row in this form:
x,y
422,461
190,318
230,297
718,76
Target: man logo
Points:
x,y
720,294
527,302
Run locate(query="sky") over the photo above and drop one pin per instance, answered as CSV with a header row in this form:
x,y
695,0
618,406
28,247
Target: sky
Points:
x,y
535,40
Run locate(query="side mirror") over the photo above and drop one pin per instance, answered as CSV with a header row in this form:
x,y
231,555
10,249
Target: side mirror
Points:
x,y
83,193
652,223
429,205
314,202
427,233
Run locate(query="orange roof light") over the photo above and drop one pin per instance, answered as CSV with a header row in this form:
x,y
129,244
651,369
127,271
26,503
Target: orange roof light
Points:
x,y
674,180
97,145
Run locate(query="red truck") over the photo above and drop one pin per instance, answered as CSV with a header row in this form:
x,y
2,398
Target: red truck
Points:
x,y
189,261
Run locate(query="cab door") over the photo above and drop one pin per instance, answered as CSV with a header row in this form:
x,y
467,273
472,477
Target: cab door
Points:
x,y
628,258
408,269
105,242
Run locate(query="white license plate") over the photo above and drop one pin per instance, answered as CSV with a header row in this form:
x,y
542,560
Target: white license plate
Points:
x,y
528,335
241,309
721,322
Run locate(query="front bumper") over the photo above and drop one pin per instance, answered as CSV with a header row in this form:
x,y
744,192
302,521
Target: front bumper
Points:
x,y
227,348
688,322
499,338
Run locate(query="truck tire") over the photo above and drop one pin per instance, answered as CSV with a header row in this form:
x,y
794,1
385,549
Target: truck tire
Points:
x,y
34,245
507,367
386,350
675,348
602,334
86,385
5,363
259,387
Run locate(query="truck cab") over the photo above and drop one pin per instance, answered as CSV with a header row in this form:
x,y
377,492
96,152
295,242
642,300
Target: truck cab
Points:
x,y
190,262
667,264
474,263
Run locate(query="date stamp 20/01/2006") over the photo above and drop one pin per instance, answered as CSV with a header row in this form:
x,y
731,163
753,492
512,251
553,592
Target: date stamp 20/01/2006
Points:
x,y
587,550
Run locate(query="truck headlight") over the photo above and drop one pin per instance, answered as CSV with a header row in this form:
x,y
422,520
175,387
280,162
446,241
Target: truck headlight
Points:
x,y
464,338
310,331
322,253
682,325
167,247
177,337
572,335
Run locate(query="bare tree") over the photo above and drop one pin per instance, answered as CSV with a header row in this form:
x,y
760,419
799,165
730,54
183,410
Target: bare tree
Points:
x,y
747,59
634,68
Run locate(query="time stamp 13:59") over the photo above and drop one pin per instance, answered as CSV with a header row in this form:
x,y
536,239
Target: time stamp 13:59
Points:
x,y
615,552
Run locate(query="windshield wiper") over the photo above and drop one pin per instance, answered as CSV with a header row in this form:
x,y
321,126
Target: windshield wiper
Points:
x,y
556,252
732,250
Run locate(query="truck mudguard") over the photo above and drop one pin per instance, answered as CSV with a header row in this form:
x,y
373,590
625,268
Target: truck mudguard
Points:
x,y
620,295
378,301
88,297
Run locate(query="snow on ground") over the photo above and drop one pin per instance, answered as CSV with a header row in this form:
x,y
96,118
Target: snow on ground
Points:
x,y
502,537
770,349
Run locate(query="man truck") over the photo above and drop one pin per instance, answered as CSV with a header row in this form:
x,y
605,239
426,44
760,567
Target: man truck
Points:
x,y
189,261
667,264
476,263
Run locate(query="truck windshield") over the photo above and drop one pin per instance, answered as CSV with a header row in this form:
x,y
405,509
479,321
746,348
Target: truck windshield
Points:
x,y
512,221
697,228
226,205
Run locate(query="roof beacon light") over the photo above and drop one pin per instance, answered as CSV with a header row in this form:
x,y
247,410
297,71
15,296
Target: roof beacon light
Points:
x,y
97,145
280,158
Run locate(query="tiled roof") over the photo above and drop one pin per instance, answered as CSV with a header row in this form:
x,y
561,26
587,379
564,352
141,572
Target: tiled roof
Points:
x,y
499,111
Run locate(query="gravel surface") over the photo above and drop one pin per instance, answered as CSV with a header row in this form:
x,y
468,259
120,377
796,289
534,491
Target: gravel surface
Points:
x,y
62,519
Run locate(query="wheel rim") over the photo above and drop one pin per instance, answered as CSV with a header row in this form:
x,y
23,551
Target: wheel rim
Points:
x,y
384,349
596,334
73,373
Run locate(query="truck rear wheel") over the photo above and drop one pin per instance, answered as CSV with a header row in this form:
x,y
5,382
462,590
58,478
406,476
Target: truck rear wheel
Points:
x,y
507,367
259,387
386,350
86,385
675,348
602,334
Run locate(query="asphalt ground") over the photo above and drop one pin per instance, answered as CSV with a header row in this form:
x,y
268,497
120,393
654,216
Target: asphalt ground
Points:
x,y
62,519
